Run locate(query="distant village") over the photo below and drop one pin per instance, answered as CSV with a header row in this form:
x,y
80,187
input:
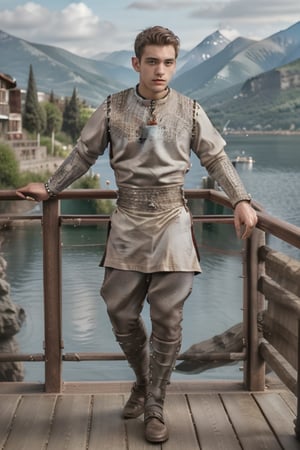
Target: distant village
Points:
x,y
30,155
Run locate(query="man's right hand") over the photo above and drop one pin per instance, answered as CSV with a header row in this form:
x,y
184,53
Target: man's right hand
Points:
x,y
33,191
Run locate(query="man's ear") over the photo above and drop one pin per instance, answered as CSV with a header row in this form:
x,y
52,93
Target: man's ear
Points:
x,y
135,63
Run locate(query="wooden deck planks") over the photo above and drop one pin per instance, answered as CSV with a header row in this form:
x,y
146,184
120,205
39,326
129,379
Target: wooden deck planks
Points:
x,y
290,399
280,417
180,424
249,423
198,420
135,435
212,424
31,423
70,423
107,426
8,407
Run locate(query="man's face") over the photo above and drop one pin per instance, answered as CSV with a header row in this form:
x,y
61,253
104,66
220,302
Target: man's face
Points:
x,y
156,68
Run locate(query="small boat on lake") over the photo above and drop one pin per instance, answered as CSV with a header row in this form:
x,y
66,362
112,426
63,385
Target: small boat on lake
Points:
x,y
243,159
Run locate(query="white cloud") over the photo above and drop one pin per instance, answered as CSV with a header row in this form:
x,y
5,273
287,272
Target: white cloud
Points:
x,y
251,12
255,19
226,9
75,27
113,26
25,16
162,4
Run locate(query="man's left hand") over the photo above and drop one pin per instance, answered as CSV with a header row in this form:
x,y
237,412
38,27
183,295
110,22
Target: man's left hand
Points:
x,y
245,219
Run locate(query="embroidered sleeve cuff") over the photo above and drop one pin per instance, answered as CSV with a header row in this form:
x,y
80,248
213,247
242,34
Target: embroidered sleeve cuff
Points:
x,y
246,199
50,193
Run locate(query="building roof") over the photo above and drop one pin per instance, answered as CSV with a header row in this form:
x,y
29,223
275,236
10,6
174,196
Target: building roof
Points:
x,y
10,81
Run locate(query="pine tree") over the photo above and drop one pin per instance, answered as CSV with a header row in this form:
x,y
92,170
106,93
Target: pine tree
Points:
x,y
52,97
53,118
71,117
33,117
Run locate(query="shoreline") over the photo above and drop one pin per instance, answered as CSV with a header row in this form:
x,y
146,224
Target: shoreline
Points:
x,y
256,132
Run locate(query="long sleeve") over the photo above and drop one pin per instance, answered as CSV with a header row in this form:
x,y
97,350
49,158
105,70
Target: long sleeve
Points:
x,y
222,170
73,167
208,144
91,144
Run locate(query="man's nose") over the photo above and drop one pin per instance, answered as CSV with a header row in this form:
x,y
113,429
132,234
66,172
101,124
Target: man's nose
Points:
x,y
159,69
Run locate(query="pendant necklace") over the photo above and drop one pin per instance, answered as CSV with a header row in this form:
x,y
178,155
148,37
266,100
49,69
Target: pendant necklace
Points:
x,y
150,130
152,119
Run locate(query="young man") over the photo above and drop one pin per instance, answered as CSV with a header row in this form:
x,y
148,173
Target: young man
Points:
x,y
150,130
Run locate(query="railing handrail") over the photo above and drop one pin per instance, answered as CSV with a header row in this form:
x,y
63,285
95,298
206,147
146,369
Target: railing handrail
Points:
x,y
280,228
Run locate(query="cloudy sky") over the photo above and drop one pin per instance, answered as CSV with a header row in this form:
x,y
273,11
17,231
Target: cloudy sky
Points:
x,y
93,26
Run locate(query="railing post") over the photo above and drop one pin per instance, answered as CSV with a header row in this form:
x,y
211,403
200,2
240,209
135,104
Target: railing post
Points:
x,y
52,295
254,370
297,420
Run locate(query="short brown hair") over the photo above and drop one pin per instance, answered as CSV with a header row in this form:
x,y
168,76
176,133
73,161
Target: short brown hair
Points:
x,y
155,36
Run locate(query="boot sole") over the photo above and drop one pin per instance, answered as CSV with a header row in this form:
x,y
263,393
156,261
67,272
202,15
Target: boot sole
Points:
x,y
157,440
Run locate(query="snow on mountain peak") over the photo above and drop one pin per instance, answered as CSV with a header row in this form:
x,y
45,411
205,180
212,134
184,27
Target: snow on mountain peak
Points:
x,y
229,33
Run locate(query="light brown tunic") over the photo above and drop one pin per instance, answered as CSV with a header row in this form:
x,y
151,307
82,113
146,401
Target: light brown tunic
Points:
x,y
145,156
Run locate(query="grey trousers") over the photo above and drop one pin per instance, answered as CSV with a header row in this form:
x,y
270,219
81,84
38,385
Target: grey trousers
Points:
x,y
125,292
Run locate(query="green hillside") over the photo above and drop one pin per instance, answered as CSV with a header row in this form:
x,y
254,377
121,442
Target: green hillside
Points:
x,y
265,107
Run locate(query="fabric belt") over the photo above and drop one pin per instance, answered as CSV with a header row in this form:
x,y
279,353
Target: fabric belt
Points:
x,y
151,199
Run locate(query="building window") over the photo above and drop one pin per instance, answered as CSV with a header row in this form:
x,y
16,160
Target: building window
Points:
x,y
3,96
15,126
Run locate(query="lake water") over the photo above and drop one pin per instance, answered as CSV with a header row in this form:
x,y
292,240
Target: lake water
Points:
x,y
216,301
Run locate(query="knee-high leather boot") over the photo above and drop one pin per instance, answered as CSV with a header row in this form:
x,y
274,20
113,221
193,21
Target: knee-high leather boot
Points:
x,y
136,349
162,361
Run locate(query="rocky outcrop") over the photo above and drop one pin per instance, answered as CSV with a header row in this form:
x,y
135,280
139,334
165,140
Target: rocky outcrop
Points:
x,y
268,81
230,341
274,81
11,320
289,79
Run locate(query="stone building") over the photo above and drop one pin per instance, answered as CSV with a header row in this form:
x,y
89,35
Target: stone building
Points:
x,y
10,109
30,155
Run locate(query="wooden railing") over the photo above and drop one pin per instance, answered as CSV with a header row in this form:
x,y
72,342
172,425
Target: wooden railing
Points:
x,y
271,303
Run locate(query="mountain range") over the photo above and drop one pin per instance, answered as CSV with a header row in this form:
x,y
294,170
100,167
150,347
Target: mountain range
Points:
x,y
216,72
238,61
60,71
